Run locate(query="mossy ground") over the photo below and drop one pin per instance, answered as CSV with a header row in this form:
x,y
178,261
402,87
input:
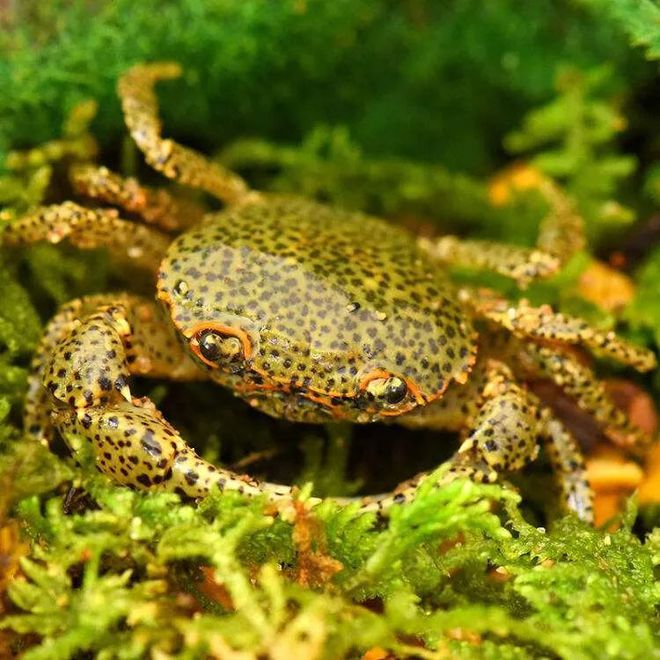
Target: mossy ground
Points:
x,y
401,109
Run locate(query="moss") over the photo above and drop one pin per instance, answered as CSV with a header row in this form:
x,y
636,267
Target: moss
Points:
x,y
125,571
347,100
276,69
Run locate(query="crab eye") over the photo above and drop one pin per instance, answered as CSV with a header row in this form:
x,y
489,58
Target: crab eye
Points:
x,y
395,390
216,348
219,345
392,389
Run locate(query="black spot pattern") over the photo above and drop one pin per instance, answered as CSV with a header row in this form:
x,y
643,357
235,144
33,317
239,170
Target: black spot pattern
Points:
x,y
327,297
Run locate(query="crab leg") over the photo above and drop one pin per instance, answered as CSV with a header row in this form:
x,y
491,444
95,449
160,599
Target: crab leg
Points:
x,y
135,446
94,348
568,467
504,431
143,345
543,323
504,439
576,379
89,228
136,90
155,206
580,383
561,234
523,265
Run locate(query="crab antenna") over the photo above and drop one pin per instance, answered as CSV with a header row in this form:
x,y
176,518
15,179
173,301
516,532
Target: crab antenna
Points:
x,y
140,106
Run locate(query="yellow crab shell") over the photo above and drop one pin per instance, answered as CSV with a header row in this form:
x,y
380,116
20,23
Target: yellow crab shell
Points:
x,y
311,312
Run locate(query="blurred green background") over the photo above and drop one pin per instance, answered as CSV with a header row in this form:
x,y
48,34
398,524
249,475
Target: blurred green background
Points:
x,y
440,82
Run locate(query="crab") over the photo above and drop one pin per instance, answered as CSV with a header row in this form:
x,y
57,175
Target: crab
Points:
x,y
308,313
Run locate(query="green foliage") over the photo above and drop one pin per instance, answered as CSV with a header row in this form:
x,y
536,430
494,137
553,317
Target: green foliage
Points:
x,y
571,139
330,165
20,329
395,73
574,134
652,183
122,577
644,312
639,18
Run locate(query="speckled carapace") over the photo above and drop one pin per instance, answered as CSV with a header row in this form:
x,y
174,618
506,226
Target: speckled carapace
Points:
x,y
287,300
309,313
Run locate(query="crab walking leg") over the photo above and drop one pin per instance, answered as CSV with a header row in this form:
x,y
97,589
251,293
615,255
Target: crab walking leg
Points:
x,y
516,443
561,234
37,419
89,349
568,467
521,264
580,383
140,106
135,446
505,430
543,323
155,206
89,228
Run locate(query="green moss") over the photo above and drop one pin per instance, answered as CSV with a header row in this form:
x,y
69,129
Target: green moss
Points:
x,y
638,19
393,72
644,311
114,576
